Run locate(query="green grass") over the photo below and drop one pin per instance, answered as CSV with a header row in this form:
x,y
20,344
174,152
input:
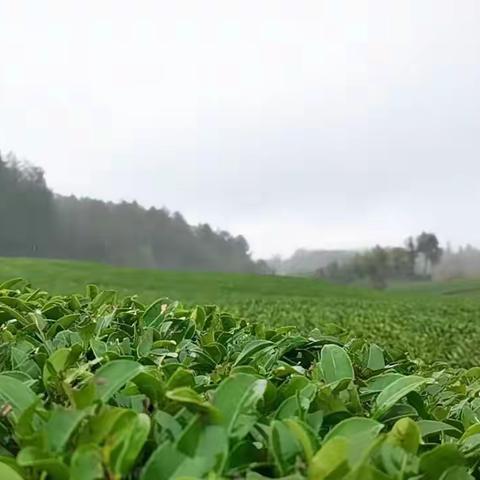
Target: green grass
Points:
x,y
459,287
63,277
431,321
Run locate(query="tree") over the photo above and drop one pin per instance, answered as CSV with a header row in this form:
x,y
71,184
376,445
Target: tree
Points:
x,y
429,246
412,254
375,264
26,210
400,263
381,264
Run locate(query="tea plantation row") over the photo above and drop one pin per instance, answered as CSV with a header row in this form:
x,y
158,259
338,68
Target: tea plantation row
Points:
x,y
445,331
93,386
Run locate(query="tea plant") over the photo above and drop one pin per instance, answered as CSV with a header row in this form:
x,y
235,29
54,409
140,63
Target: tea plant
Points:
x,y
96,387
432,331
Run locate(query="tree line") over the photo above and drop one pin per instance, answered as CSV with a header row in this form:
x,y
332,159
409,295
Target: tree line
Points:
x,y
414,261
36,222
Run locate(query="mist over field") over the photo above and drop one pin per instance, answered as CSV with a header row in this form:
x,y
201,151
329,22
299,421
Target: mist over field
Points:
x,y
462,263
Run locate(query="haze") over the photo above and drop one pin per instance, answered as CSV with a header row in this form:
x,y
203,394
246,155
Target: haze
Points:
x,y
322,124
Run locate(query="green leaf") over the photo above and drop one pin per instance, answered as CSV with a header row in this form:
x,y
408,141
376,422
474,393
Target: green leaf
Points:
x,y
14,314
129,434
360,432
405,434
8,284
163,463
92,291
368,472
298,404
150,386
257,476
15,302
236,399
145,343
335,364
168,423
60,426
181,377
8,473
438,461
15,394
456,473
433,427
55,363
472,430
470,442
207,448
100,426
331,461
376,360
299,431
284,447
153,315
33,457
190,398
380,382
354,426
251,349
111,377
107,296
86,463
84,397
243,454
398,411
394,392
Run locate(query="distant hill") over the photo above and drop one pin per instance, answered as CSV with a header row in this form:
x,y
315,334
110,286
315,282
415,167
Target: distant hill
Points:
x,y
306,262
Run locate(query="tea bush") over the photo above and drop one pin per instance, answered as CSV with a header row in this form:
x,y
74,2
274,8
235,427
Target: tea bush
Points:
x,y
96,387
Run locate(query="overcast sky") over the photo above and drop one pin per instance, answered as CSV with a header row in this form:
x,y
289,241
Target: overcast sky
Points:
x,y
336,123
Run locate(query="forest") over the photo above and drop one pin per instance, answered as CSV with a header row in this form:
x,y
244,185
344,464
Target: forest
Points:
x,y
37,222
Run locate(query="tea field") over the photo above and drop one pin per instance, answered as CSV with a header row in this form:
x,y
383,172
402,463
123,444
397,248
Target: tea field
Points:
x,y
97,385
433,322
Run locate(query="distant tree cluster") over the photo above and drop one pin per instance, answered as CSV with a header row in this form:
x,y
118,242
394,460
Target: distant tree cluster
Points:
x,y
380,264
34,222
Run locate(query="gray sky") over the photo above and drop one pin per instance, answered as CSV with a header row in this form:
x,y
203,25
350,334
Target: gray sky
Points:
x,y
336,123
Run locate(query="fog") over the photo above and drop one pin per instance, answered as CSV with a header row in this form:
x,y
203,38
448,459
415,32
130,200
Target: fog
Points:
x,y
461,263
319,124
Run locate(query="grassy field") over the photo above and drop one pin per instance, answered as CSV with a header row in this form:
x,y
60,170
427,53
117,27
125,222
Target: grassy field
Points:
x,y
433,322
65,277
